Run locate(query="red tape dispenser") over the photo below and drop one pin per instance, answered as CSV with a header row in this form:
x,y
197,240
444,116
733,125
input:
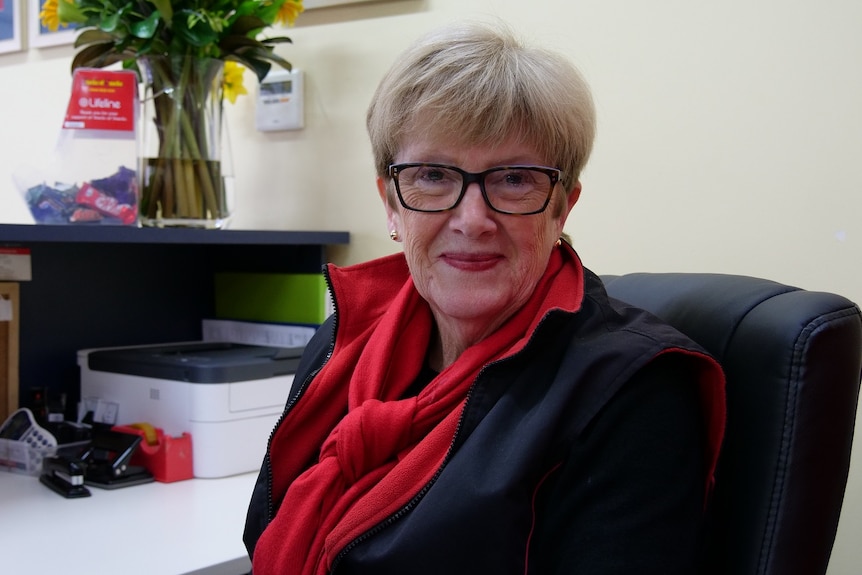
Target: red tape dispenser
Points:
x,y
167,458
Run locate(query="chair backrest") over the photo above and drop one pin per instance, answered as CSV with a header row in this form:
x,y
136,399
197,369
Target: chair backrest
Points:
x,y
793,360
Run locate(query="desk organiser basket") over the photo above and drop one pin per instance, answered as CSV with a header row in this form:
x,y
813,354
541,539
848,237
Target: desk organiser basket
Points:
x,y
19,457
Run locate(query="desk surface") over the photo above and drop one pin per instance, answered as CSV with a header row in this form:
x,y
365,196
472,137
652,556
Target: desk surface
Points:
x,y
150,529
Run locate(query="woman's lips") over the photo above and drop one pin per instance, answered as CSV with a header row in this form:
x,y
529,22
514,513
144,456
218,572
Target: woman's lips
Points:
x,y
471,262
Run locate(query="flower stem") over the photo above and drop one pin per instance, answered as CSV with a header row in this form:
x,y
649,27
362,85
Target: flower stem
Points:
x,y
185,176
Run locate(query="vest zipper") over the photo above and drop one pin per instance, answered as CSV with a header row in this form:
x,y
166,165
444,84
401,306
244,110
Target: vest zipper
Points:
x,y
270,514
416,498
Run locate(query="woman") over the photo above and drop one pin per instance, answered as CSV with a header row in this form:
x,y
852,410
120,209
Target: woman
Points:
x,y
477,404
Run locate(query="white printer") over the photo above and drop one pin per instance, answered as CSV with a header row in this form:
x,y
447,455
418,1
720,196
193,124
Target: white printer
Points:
x,y
228,396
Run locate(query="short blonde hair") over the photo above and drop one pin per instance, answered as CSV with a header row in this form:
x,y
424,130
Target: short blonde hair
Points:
x,y
474,83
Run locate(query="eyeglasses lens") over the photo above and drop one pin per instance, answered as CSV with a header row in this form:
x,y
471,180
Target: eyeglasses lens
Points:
x,y
517,190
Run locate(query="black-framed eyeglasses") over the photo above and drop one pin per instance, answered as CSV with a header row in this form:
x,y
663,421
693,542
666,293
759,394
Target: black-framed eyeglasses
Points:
x,y
516,190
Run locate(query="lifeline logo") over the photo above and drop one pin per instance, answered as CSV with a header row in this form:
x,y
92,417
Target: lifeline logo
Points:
x,y
86,102
102,100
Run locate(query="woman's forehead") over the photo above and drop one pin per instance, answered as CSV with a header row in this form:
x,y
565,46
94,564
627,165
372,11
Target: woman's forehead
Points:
x,y
443,138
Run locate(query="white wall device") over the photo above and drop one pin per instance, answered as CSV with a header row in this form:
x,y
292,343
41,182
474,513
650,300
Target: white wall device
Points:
x,y
279,101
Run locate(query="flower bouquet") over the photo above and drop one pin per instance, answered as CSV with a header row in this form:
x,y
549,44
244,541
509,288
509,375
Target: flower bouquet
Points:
x,y
190,55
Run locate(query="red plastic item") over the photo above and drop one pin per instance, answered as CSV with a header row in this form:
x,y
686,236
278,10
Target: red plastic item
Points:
x,y
169,459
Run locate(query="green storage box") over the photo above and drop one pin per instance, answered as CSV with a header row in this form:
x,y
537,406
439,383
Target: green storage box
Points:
x,y
283,298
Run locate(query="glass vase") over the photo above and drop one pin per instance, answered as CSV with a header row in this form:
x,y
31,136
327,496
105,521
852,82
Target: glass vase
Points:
x,y
181,169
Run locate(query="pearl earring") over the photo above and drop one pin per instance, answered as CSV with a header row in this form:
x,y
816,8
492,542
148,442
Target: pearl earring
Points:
x,y
393,235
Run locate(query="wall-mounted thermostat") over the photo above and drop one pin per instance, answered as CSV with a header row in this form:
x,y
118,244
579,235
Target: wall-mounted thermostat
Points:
x,y
279,101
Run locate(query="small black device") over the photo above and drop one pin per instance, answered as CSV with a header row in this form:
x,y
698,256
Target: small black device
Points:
x,y
107,459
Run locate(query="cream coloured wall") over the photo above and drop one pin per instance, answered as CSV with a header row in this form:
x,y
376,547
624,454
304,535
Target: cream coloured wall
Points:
x,y
729,138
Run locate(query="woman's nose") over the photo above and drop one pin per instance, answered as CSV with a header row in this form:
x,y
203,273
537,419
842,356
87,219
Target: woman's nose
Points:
x,y
473,215
474,199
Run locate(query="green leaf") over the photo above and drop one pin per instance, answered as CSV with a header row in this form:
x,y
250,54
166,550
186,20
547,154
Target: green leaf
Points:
x,y
109,21
191,28
231,44
245,24
259,67
68,12
97,56
268,11
93,36
260,59
276,40
146,47
165,7
147,28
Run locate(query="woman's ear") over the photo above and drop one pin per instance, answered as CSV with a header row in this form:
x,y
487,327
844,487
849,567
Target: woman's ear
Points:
x,y
393,221
573,197
571,200
381,189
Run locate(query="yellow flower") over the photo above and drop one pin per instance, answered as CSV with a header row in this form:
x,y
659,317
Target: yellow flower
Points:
x,y
232,83
289,11
48,16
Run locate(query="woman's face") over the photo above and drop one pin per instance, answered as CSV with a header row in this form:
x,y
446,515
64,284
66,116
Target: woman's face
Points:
x,y
471,263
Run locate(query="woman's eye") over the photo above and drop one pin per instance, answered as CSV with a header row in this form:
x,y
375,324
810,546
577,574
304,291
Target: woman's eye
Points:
x,y
507,179
435,175
514,179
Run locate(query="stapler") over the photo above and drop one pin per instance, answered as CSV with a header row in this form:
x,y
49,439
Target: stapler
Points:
x,y
65,475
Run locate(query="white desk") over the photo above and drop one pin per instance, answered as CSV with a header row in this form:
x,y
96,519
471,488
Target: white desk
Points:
x,y
192,526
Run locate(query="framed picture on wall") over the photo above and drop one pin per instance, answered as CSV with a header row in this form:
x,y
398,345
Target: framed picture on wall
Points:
x,y
41,36
10,26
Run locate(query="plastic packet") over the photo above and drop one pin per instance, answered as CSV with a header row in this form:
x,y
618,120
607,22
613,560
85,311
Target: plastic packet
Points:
x,y
91,177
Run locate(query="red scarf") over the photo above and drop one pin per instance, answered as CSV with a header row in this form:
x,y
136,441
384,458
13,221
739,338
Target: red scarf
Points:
x,y
351,452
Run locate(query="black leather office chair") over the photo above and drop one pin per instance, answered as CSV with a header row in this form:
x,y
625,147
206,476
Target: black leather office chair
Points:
x,y
793,360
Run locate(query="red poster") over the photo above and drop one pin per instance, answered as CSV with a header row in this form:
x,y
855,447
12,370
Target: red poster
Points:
x,y
102,100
